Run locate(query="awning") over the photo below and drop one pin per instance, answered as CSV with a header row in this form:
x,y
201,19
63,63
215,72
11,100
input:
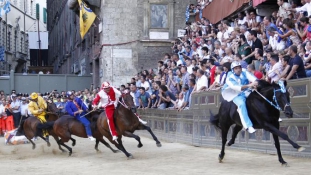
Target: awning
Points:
x,y
257,2
220,9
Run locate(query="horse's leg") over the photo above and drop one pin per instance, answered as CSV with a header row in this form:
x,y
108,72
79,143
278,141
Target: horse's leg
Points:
x,y
33,144
57,139
106,144
48,142
73,141
119,146
129,134
236,130
96,145
129,155
224,132
278,149
63,144
274,130
144,127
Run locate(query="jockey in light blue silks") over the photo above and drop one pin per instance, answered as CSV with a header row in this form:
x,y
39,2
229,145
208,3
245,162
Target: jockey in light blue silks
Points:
x,y
237,89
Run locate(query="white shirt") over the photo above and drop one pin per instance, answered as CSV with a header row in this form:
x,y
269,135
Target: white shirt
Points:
x,y
271,73
189,69
305,8
15,104
2,110
202,81
105,99
146,85
273,41
219,36
24,109
243,21
220,52
227,59
228,32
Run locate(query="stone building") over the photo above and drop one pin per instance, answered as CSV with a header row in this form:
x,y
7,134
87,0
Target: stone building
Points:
x,y
14,28
127,37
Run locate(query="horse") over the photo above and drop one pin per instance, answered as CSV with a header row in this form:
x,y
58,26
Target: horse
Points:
x,y
264,107
126,123
32,127
67,125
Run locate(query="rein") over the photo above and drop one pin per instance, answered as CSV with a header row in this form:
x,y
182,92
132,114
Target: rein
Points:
x,y
274,100
123,103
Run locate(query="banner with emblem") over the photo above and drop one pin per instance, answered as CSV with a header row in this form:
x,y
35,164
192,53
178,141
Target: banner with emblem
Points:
x,y
4,7
87,17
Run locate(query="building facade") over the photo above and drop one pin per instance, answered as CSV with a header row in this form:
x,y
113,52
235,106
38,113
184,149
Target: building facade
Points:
x,y
14,28
127,37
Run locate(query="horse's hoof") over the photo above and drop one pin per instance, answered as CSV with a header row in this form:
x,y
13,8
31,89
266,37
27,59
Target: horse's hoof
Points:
x,y
115,151
159,144
97,150
285,164
130,157
301,149
33,146
73,143
140,145
63,151
70,153
49,144
220,160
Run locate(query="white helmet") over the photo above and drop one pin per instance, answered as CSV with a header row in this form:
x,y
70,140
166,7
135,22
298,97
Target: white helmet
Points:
x,y
235,64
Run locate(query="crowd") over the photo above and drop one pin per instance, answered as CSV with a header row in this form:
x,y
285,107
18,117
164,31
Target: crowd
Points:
x,y
273,47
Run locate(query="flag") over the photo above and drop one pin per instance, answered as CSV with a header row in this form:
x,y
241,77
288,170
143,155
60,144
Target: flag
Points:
x,y
87,17
4,7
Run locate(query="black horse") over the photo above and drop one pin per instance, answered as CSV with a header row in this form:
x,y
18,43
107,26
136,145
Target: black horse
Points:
x,y
264,108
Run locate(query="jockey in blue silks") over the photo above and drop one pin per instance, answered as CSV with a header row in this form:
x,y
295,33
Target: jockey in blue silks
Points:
x,y
237,89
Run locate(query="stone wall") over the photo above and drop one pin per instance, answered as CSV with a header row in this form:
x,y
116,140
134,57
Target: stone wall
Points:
x,y
126,26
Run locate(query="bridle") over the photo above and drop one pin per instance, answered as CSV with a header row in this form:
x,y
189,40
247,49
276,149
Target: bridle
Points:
x,y
123,103
276,105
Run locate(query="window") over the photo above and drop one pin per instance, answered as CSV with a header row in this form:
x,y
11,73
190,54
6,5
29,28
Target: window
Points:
x,y
9,42
44,15
22,40
37,11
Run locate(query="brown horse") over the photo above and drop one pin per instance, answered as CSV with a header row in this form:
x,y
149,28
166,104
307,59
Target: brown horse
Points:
x,y
126,123
67,125
32,127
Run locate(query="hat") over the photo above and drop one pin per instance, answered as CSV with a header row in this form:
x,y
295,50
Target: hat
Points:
x,y
19,94
23,98
34,96
105,85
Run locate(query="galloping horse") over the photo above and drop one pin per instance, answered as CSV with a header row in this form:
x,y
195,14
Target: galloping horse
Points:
x,y
67,125
126,123
264,108
32,127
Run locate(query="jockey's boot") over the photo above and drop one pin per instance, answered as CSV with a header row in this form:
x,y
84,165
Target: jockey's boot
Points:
x,y
251,130
115,138
142,121
91,138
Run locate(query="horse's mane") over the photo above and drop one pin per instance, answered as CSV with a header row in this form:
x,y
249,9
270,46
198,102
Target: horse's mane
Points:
x,y
262,84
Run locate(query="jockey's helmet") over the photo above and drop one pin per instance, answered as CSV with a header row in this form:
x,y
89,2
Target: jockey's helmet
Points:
x,y
235,64
105,85
34,96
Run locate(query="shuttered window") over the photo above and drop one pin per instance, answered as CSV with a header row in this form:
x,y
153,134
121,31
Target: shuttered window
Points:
x,y
37,11
44,15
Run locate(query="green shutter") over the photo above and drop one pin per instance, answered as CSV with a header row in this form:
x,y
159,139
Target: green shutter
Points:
x,y
37,11
44,15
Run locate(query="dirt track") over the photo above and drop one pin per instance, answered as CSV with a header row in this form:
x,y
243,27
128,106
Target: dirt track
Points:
x,y
171,158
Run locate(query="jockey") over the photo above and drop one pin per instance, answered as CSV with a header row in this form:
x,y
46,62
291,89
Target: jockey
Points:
x,y
109,98
77,109
237,89
37,107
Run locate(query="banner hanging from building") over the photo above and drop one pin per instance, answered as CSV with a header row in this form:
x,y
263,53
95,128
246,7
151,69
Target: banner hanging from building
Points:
x,y
4,7
87,17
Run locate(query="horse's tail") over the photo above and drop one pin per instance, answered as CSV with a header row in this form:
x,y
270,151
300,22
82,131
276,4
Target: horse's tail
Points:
x,y
214,119
20,129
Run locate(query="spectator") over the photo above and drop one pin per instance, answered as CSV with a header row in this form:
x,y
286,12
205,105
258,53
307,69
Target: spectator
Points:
x,y
202,82
155,94
283,10
211,65
274,74
185,75
189,65
251,69
144,98
291,33
179,102
166,97
268,24
24,109
135,93
243,63
305,34
257,44
304,8
15,107
145,84
172,83
297,69
285,66
244,49
229,56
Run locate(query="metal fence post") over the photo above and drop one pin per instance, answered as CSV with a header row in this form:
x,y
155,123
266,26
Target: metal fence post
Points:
x,y
12,80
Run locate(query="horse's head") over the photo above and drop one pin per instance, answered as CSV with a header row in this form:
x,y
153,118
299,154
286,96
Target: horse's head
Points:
x,y
128,101
276,95
281,98
51,107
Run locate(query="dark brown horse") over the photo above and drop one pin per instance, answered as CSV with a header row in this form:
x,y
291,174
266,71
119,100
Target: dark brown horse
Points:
x,y
126,123
67,125
32,127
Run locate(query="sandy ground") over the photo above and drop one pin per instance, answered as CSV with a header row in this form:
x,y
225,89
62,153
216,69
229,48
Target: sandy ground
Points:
x,y
171,158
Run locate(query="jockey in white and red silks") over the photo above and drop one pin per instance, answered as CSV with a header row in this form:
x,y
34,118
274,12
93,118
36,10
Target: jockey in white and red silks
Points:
x,y
109,98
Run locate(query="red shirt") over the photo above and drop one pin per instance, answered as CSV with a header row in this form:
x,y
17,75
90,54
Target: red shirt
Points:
x,y
258,75
212,74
